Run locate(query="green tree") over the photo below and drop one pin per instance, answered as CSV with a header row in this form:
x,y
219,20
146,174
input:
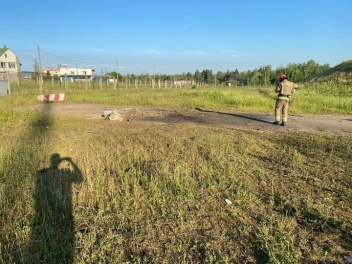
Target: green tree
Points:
x,y
197,76
207,76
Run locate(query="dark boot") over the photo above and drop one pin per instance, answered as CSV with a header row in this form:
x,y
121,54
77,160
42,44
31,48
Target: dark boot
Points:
x,y
283,123
276,123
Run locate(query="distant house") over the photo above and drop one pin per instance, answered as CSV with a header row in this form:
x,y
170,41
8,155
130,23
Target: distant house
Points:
x,y
70,74
9,62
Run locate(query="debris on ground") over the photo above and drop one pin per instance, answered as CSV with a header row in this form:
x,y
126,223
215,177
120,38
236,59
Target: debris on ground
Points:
x,y
228,201
120,115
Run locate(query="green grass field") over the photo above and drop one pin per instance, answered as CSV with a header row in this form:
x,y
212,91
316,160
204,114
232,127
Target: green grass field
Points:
x,y
314,98
74,190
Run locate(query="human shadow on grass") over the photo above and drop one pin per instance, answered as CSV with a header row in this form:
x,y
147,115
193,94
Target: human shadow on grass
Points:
x,y
52,230
52,234
235,115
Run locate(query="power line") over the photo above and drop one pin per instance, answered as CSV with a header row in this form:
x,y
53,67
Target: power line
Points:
x,y
101,63
23,50
107,62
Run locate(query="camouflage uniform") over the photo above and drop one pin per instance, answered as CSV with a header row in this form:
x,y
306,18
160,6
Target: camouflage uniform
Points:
x,y
284,89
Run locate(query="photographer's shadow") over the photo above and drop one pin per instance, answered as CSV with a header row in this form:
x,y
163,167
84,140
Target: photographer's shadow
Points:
x,y
52,235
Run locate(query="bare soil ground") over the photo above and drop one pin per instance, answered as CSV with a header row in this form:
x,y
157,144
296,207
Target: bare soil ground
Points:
x,y
332,124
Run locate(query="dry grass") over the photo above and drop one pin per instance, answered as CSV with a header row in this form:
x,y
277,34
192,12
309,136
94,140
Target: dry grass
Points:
x,y
173,193
156,194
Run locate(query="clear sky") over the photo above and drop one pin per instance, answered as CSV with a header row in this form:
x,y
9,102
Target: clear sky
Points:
x,y
168,37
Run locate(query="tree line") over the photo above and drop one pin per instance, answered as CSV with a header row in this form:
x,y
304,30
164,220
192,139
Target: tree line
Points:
x,y
265,75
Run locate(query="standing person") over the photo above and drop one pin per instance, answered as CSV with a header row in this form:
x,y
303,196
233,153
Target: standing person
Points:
x,y
284,89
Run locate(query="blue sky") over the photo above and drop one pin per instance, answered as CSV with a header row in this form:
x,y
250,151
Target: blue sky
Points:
x,y
177,36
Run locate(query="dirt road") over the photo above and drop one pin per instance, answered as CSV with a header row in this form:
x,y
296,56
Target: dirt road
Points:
x,y
333,124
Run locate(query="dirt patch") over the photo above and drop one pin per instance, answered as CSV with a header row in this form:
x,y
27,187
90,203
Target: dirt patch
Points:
x,y
335,124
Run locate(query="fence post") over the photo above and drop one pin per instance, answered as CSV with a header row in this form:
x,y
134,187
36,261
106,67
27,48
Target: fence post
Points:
x,y
65,81
8,83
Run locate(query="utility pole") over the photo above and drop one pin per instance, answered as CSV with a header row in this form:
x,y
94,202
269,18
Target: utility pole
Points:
x,y
40,81
36,65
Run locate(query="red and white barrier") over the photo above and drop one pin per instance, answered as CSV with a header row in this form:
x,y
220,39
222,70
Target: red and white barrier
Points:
x,y
52,97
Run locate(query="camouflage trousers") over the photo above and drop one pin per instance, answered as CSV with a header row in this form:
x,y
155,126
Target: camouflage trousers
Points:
x,y
281,110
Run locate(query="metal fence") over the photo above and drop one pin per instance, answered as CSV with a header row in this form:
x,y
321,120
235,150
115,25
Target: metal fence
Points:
x,y
97,81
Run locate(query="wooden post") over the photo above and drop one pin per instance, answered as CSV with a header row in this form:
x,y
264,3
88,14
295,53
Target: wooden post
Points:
x,y
8,83
65,81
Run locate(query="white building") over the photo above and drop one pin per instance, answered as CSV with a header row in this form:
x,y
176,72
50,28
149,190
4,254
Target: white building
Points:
x,y
72,74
